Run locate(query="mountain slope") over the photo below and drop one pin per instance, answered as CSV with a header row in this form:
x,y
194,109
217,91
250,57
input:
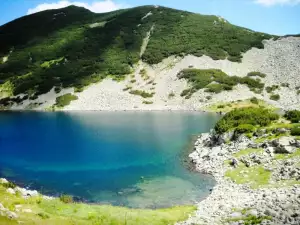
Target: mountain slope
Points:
x,y
73,47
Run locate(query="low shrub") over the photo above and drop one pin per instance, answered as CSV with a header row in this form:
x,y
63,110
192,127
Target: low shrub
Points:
x,y
215,88
57,89
254,100
295,131
245,128
215,80
254,74
252,116
9,185
66,198
171,95
186,92
43,215
65,100
127,88
142,93
275,97
272,88
147,102
285,85
293,116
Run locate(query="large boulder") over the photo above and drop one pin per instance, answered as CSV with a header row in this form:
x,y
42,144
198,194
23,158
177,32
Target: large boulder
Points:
x,y
3,181
284,145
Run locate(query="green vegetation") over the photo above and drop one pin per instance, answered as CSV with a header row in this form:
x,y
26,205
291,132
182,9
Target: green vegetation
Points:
x,y
65,100
244,128
295,131
73,47
9,185
215,80
127,88
171,95
144,74
147,102
254,100
66,198
258,117
57,212
48,64
141,93
247,152
250,220
255,176
272,88
288,156
285,85
258,74
275,97
229,106
293,116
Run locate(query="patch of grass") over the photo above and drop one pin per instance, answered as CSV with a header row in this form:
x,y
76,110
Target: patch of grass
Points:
x,y
147,102
58,212
237,105
65,100
288,156
258,74
215,80
250,220
293,116
66,198
127,88
144,75
254,100
295,131
269,138
48,64
141,93
248,151
9,185
258,117
275,97
171,95
255,176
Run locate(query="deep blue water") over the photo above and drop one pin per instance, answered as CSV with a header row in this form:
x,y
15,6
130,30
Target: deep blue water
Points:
x,y
119,158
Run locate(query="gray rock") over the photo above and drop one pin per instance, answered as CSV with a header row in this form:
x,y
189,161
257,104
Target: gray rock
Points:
x,y
11,215
236,215
11,191
252,212
3,181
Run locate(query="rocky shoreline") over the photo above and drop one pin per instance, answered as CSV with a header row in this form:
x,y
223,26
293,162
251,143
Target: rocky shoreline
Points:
x,y
234,204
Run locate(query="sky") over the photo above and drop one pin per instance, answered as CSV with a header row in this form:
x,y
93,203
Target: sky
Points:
x,y
279,17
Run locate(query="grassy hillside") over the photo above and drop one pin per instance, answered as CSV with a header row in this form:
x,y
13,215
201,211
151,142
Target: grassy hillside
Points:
x,y
73,47
36,211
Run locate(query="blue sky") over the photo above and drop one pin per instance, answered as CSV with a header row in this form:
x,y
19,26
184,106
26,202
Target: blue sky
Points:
x,y
270,16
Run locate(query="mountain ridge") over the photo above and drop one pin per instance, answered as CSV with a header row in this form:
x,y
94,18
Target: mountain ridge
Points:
x,y
64,51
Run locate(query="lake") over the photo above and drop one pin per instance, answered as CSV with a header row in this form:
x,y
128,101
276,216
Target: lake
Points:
x,y
132,159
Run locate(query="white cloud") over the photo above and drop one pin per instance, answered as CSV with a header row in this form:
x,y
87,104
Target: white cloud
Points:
x,y
96,6
277,2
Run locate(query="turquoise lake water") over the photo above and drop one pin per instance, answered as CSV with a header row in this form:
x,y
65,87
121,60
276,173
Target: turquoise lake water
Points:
x,y
131,159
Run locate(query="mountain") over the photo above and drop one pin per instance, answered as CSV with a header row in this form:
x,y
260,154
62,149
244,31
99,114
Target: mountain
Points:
x,y
51,58
74,47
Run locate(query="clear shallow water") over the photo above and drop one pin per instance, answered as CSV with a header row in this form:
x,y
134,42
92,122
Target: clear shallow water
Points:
x,y
120,158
